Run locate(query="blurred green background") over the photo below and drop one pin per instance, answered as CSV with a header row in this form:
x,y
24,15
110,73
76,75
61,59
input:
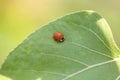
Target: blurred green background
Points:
x,y
18,18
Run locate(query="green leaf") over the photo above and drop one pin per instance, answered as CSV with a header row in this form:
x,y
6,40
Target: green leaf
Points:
x,y
88,52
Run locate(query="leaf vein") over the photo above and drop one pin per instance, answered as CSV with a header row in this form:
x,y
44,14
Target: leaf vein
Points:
x,y
90,67
77,44
62,74
118,77
68,58
97,37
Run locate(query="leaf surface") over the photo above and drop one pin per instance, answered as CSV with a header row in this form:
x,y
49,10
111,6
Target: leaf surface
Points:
x,y
88,52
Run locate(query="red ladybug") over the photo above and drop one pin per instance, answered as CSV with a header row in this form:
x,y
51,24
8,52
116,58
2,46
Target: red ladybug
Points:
x,y
58,36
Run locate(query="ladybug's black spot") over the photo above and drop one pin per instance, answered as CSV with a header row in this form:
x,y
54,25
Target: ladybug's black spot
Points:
x,y
62,39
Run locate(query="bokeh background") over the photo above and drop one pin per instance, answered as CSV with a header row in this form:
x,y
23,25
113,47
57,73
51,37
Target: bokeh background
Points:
x,y
19,18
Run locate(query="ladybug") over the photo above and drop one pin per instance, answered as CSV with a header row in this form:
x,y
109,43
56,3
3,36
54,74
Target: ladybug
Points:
x,y
58,36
